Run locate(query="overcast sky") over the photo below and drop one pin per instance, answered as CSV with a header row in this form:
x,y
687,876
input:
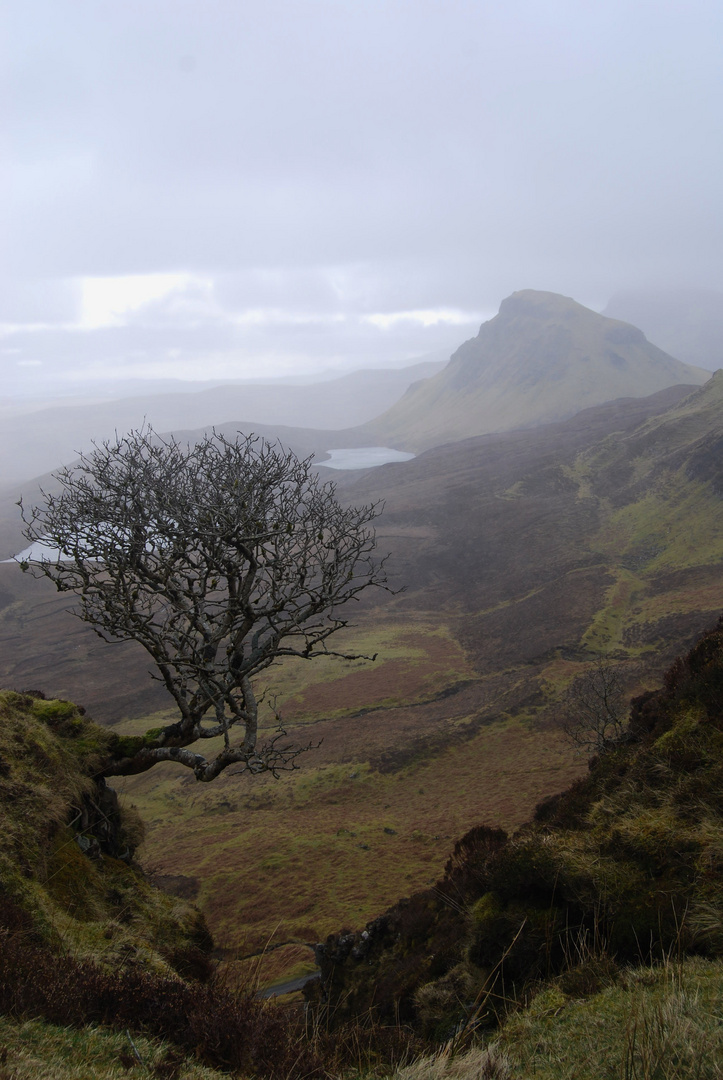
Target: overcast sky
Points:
x,y
226,188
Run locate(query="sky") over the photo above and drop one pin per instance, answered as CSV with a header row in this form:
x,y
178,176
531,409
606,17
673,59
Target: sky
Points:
x,y
212,189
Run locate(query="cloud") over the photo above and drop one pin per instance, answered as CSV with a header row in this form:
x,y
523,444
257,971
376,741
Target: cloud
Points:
x,y
112,301
33,301
294,169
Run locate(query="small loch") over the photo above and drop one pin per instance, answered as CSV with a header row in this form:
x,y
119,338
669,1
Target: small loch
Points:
x,y
363,457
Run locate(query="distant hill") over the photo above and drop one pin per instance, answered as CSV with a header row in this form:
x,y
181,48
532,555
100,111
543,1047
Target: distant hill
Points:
x,y
688,323
35,443
544,357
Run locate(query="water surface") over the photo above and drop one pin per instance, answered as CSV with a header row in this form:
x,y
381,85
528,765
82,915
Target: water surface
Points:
x,y
364,457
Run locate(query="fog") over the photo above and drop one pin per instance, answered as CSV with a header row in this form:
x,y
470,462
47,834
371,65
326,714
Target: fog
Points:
x,y
244,190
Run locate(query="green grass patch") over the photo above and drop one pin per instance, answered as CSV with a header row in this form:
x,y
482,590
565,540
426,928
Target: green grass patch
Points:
x,y
678,524
605,631
657,1023
36,1049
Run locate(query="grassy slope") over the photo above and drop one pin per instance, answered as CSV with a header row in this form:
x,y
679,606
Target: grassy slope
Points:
x,y
661,546
625,865
332,844
523,555
661,1022
85,939
33,1049
99,909
92,908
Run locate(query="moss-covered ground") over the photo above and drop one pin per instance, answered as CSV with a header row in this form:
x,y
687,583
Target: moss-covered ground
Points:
x,y
101,907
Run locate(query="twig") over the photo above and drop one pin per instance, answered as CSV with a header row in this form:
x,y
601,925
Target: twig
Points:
x,y
136,1052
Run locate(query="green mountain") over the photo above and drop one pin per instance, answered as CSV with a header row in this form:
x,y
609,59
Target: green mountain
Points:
x,y
544,357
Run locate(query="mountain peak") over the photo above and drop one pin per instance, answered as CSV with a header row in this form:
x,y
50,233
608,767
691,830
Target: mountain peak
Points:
x,y
543,358
538,304
543,307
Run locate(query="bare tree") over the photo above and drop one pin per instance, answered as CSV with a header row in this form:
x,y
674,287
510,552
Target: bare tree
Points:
x,y
595,707
219,559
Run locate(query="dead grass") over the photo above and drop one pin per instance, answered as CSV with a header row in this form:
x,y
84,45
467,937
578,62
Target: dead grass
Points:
x,y
480,1063
336,844
659,1022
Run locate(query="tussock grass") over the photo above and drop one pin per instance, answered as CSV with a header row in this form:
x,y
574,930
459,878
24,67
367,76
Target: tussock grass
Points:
x,y
35,1050
658,1023
480,1063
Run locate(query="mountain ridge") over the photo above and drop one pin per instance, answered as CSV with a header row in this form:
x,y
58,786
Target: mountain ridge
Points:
x,y
688,323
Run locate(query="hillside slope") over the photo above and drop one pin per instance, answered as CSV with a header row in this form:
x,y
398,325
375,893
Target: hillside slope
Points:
x,y
67,847
623,866
542,358
86,940
524,556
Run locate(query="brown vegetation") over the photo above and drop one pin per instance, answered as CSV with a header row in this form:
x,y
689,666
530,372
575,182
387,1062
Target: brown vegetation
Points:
x,y
624,865
233,1032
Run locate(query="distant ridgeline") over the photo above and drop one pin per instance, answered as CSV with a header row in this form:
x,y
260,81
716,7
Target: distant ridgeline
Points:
x,y
624,866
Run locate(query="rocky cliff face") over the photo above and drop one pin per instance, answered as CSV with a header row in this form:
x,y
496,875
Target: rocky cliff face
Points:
x,y
544,357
